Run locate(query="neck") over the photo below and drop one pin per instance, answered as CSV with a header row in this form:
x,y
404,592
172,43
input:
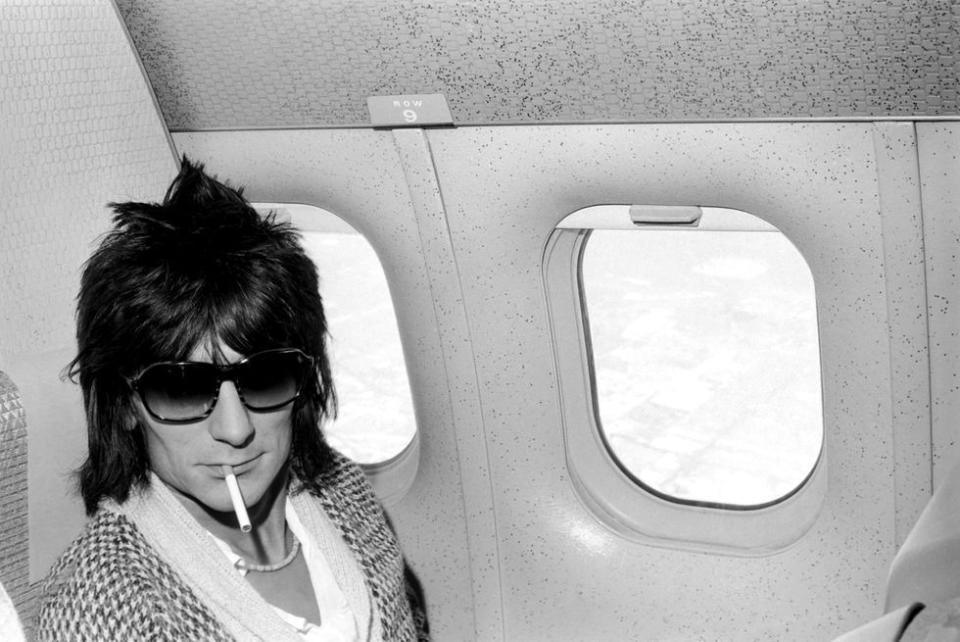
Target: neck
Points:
x,y
266,542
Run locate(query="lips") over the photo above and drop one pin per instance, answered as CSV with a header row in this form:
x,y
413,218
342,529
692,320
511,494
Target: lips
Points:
x,y
238,468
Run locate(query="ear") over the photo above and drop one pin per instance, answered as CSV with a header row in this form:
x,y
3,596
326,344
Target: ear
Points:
x,y
135,414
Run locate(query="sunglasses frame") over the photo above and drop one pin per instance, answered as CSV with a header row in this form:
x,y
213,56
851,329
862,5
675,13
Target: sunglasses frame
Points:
x,y
224,373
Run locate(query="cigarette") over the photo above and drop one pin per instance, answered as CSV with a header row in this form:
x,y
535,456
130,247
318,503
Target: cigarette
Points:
x,y
238,507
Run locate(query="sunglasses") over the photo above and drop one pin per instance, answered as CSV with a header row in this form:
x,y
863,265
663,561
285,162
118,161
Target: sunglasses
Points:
x,y
186,391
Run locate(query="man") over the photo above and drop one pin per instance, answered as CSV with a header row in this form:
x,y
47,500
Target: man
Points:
x,y
217,509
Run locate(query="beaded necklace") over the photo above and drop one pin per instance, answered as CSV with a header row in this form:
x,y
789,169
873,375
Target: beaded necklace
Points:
x,y
245,566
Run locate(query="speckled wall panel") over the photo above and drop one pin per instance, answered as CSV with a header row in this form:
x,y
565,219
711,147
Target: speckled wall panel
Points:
x,y
303,63
938,146
493,523
900,205
79,128
566,574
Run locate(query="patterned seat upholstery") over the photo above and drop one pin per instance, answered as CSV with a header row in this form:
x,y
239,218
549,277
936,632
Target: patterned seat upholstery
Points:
x,y
14,562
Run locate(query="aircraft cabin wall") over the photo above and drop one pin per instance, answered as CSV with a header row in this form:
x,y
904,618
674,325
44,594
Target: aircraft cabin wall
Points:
x,y
473,208
516,517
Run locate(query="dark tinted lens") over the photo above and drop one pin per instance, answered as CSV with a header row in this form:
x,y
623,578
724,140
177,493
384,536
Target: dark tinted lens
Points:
x,y
178,391
271,379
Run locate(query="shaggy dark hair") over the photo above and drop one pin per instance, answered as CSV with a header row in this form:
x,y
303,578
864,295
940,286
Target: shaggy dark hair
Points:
x,y
200,267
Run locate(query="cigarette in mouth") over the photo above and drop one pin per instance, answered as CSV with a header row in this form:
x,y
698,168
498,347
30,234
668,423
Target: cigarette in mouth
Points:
x,y
238,507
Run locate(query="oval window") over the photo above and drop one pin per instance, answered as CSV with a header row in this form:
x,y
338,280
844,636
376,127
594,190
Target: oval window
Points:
x,y
375,420
705,356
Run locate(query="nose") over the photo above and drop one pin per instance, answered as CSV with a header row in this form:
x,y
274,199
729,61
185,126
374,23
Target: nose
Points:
x,y
229,421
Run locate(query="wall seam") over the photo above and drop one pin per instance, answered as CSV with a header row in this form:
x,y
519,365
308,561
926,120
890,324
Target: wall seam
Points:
x,y
416,159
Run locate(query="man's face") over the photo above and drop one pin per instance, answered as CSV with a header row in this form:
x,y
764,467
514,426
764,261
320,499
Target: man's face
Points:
x,y
188,457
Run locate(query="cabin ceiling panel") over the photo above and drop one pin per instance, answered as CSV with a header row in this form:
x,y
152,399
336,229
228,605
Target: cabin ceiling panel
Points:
x,y
250,63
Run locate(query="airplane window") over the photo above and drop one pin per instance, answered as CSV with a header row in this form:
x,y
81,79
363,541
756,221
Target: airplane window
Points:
x,y
375,420
705,357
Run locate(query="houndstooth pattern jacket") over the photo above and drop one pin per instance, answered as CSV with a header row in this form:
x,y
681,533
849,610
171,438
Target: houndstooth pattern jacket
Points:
x,y
111,585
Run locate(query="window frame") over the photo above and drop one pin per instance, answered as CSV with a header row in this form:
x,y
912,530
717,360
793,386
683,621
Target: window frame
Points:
x,y
630,508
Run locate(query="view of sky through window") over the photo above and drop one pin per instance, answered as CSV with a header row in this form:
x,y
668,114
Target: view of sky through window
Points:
x,y
375,420
706,358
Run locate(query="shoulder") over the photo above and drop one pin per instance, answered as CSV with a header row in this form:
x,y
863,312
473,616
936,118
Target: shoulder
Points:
x,y
351,504
109,543
346,493
94,573
341,468
110,584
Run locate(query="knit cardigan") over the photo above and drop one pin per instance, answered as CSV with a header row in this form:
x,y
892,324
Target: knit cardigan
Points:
x,y
110,584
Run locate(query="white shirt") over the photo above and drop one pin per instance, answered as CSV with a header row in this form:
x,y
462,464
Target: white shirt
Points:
x,y
339,623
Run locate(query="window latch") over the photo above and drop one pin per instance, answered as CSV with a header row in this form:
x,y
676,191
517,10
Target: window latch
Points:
x,y
686,216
